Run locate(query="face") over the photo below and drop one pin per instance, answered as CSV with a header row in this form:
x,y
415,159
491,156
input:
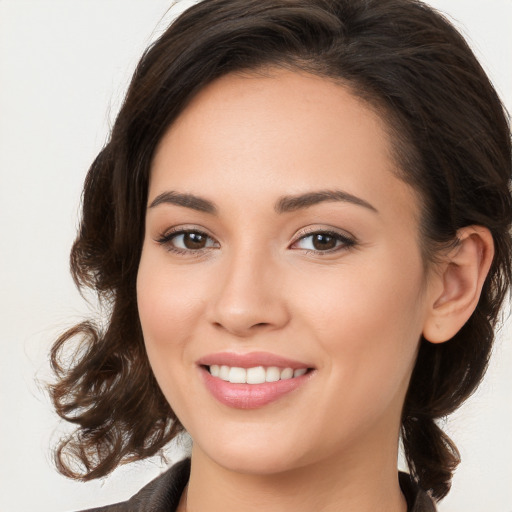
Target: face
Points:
x,y
281,287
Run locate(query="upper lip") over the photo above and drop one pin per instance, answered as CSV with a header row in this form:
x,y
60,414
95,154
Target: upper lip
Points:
x,y
250,360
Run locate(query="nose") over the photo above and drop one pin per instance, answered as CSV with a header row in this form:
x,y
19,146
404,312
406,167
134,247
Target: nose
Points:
x,y
249,296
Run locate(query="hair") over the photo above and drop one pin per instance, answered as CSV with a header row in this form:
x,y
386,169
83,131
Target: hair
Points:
x,y
451,140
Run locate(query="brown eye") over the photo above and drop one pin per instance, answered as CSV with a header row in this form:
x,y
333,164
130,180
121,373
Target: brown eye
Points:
x,y
194,240
187,241
323,241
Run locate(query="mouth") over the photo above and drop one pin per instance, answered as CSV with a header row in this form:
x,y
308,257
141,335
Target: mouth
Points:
x,y
254,374
250,381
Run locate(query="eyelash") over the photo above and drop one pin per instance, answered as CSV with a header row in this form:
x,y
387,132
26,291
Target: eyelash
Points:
x,y
343,242
167,238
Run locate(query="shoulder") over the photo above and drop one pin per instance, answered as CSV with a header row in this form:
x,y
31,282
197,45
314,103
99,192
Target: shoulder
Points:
x,y
161,494
417,499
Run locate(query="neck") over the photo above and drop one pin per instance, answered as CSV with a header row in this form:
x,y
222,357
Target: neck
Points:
x,y
354,483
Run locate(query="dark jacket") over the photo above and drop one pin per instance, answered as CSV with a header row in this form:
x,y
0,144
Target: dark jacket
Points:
x,y
163,494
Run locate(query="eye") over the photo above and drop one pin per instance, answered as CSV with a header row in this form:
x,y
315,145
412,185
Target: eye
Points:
x,y
186,241
323,241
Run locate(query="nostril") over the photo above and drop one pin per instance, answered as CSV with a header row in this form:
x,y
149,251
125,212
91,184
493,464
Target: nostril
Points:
x,y
258,325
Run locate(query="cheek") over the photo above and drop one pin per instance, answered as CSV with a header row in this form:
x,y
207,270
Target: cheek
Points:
x,y
368,320
366,297
168,308
169,305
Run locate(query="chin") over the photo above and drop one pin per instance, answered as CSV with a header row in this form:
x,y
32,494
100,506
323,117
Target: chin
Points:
x,y
254,462
251,454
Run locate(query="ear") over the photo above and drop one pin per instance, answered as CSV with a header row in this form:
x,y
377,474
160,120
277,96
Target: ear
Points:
x,y
458,283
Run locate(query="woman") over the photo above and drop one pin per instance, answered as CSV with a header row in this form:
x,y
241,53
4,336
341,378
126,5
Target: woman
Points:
x,y
301,224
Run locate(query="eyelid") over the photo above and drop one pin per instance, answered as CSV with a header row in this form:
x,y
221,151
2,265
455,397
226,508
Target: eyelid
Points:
x,y
169,234
346,238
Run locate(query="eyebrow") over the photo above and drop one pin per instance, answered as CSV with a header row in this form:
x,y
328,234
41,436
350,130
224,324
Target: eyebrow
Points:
x,y
285,204
186,200
298,202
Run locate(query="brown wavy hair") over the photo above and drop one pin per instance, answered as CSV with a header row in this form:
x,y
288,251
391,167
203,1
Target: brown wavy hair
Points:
x,y
451,140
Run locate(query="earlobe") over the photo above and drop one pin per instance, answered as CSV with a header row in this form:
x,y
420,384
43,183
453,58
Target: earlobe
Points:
x,y
459,283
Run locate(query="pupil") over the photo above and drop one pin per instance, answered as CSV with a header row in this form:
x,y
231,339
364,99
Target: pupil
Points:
x,y
194,241
323,242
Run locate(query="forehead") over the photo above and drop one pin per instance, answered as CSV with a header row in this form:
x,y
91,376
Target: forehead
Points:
x,y
281,133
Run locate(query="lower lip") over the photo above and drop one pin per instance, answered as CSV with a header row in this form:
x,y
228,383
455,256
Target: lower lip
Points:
x,y
250,396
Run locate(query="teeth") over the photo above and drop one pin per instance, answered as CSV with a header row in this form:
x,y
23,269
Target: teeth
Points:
x,y
255,375
287,373
237,375
224,372
273,374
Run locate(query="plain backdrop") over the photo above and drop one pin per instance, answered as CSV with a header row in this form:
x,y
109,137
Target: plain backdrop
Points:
x,y
64,66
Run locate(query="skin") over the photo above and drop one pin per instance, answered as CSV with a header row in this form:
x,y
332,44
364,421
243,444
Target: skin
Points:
x,y
354,314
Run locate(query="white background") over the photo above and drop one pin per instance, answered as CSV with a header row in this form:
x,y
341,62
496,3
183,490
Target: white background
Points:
x,y
64,66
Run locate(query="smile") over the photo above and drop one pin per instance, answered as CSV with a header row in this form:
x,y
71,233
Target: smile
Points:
x,y
254,375
250,381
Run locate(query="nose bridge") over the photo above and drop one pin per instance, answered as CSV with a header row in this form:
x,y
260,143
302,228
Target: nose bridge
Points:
x,y
248,297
